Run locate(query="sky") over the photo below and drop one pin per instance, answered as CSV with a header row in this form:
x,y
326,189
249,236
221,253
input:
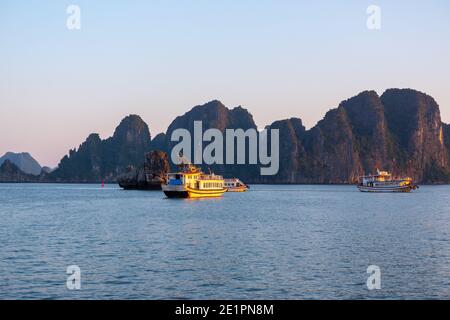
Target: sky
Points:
x,y
158,59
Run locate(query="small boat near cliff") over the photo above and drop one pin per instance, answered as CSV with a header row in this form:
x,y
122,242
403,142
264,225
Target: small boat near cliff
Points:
x,y
235,185
383,182
190,182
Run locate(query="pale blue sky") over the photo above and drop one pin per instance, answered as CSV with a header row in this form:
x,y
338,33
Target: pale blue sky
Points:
x,y
278,59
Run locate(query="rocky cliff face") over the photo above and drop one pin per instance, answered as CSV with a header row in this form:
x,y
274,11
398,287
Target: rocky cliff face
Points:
x,y
9,172
215,115
446,134
97,160
160,142
349,139
131,140
401,131
292,153
417,134
148,176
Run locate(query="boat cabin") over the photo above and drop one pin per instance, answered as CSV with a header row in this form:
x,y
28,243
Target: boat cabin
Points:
x,y
196,180
381,176
233,183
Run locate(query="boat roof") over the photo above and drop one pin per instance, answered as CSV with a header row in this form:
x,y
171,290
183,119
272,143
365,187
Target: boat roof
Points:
x,y
379,174
202,175
375,175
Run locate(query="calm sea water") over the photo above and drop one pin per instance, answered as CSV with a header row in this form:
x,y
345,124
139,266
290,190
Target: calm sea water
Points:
x,y
274,242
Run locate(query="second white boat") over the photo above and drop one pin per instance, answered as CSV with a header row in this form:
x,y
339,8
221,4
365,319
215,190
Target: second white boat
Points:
x,y
383,182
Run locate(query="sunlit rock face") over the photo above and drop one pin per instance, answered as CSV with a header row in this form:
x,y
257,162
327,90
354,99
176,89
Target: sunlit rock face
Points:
x,y
417,132
400,131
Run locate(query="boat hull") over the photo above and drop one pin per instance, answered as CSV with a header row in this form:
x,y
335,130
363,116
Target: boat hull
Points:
x,y
387,189
182,192
237,189
177,194
214,193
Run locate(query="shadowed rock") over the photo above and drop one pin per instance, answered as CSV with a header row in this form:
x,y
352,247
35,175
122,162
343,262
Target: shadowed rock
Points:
x,y
99,160
149,176
401,132
9,172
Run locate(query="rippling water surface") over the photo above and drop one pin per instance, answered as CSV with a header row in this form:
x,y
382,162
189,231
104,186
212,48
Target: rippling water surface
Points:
x,y
274,242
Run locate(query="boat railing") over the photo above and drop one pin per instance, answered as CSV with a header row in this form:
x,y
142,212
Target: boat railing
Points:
x,y
210,177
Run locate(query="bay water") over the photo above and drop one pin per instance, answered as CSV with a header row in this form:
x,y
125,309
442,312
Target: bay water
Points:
x,y
272,242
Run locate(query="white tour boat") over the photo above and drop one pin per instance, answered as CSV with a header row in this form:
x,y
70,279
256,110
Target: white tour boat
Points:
x,y
383,182
235,185
190,182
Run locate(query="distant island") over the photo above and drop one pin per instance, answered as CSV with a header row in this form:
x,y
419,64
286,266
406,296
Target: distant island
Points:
x,y
400,131
24,161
